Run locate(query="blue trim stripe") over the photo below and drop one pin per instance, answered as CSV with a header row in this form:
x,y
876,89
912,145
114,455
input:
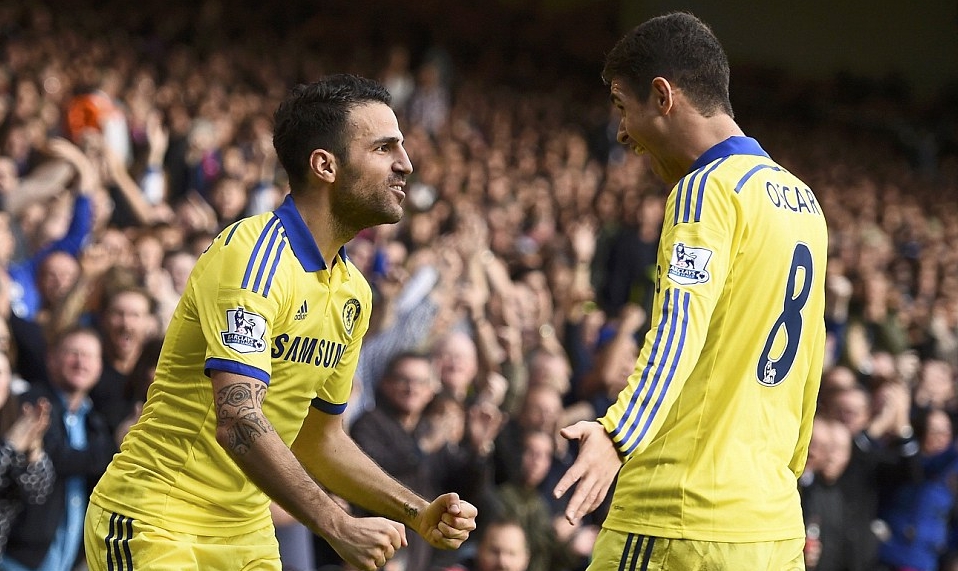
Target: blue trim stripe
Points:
x,y
117,542
684,318
272,269
217,364
328,407
700,199
678,199
752,171
256,248
690,182
232,231
674,315
270,251
648,366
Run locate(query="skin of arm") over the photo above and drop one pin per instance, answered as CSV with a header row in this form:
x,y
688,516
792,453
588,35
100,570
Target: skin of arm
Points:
x,y
337,462
45,181
250,439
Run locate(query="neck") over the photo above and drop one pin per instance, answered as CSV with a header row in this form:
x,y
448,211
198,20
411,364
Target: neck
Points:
x,y
698,135
706,132
73,400
124,363
408,421
326,231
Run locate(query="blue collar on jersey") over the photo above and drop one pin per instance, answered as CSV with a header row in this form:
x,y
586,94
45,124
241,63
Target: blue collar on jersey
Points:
x,y
300,238
728,147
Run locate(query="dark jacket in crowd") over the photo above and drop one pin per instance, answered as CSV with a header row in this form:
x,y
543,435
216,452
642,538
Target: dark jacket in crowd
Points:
x,y
34,529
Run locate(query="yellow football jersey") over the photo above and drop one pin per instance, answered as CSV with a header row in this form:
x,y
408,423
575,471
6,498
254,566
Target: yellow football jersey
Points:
x,y
715,421
260,302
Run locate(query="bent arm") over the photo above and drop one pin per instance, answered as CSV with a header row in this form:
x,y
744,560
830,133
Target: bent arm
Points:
x,y
337,462
250,439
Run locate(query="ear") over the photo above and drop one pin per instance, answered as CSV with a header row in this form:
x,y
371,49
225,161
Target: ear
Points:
x,y
661,95
323,164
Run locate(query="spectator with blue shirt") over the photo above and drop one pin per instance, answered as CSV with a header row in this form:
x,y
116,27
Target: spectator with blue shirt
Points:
x,y
79,443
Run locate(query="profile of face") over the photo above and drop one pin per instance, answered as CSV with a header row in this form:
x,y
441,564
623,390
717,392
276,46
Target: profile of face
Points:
x,y
503,548
638,127
369,183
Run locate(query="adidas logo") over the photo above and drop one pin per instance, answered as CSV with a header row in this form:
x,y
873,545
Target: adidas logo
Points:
x,y
301,314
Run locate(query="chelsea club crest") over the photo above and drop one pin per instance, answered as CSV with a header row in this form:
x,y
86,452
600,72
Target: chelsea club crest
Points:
x,y
351,312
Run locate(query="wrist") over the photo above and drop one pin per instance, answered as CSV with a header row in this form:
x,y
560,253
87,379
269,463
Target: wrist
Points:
x,y
331,523
412,512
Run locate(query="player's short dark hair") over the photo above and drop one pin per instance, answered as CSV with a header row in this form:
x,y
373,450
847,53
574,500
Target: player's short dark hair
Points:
x,y
680,48
315,116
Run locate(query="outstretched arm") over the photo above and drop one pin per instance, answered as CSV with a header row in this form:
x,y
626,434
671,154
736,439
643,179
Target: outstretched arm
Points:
x,y
340,465
249,438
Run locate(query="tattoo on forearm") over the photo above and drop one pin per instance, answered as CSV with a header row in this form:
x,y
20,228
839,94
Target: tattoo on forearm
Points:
x,y
240,412
410,511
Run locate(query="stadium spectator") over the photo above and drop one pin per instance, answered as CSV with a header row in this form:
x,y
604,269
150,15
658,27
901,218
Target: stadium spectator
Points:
x,y
524,152
918,513
420,452
80,445
26,473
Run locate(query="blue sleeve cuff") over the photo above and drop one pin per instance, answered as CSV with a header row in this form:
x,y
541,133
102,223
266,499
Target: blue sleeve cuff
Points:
x,y
237,368
328,407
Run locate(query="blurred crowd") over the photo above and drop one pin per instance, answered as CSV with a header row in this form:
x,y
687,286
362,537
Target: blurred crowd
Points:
x,y
510,300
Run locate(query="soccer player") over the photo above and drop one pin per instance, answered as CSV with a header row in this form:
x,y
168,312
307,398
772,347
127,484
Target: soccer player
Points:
x,y
711,432
256,370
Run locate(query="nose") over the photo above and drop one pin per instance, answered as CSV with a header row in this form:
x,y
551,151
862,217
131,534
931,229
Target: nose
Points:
x,y
403,164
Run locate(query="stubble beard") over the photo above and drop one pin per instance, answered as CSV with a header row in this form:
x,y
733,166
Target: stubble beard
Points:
x,y
360,206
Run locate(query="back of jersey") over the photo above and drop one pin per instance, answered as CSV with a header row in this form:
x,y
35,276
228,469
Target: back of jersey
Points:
x,y
717,416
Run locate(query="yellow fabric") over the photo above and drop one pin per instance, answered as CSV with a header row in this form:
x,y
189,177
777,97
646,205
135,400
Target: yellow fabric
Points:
x,y
113,541
299,333
644,553
715,421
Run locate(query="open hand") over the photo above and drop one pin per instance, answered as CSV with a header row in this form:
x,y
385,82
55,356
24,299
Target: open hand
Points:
x,y
593,471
